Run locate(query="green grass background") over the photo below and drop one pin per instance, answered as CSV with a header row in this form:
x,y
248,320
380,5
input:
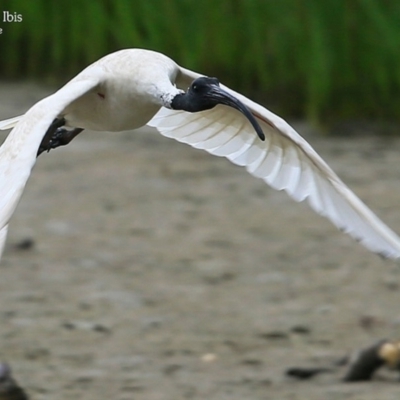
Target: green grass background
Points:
x,y
320,59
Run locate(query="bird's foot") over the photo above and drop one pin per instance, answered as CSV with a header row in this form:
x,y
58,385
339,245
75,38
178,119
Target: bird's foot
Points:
x,y
56,140
57,136
62,137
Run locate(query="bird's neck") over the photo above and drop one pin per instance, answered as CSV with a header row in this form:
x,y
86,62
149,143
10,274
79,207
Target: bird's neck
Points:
x,y
179,102
168,97
182,101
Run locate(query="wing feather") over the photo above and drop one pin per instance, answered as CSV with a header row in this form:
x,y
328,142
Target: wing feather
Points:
x,y
289,173
253,156
232,146
9,123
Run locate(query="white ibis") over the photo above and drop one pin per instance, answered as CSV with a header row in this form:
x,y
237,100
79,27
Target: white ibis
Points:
x,y
131,88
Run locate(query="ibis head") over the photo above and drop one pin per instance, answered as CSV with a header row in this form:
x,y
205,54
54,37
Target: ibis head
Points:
x,y
205,93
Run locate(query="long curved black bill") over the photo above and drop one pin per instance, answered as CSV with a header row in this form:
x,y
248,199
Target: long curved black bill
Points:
x,y
220,96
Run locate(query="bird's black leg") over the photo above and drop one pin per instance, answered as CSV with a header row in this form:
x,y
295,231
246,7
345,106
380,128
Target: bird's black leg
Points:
x,y
57,136
62,137
45,144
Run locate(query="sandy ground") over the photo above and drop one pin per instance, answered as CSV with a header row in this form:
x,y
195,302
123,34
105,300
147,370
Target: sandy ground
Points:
x,y
160,272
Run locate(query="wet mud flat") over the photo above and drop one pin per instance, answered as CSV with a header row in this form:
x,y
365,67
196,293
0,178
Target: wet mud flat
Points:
x,y
139,268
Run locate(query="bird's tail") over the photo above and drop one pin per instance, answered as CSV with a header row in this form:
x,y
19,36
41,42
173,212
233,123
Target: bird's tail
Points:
x,y
9,123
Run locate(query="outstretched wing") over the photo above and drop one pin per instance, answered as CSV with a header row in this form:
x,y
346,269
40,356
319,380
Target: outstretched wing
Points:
x,y
284,160
18,152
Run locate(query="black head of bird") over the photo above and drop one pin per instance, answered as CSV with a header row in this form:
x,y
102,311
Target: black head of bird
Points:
x,y
205,93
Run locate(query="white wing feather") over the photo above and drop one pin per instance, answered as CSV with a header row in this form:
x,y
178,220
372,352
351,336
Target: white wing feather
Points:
x,y
18,152
284,160
9,123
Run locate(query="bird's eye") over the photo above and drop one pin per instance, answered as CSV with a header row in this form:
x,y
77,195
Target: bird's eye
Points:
x,y
195,88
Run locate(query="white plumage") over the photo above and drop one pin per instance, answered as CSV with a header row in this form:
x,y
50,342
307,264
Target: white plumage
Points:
x,y
130,88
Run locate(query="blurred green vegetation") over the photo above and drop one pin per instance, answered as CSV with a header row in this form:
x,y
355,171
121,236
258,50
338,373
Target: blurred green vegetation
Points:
x,y
320,59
